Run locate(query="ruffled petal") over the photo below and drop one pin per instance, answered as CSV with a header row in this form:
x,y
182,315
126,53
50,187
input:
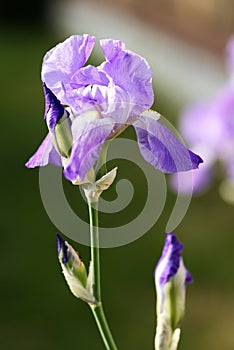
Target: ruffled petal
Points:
x,y
88,139
112,48
131,72
45,154
62,62
89,75
162,149
90,88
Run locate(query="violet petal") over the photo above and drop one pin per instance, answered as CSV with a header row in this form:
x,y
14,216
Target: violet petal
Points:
x,y
45,154
162,149
86,149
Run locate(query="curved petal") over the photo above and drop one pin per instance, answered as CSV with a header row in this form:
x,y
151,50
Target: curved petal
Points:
x,y
45,154
129,71
62,62
162,149
88,139
89,75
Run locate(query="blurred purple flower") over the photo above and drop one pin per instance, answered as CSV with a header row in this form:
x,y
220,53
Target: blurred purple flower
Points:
x,y
171,278
85,106
208,128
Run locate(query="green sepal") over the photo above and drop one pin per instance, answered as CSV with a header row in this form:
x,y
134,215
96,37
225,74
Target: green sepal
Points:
x,y
63,136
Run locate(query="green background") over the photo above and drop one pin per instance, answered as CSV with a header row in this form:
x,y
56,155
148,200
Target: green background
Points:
x,y
37,309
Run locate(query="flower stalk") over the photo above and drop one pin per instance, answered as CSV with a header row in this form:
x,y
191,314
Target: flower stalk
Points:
x,y
97,310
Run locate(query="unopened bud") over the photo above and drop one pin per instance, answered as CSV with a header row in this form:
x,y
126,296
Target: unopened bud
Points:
x,y
58,122
171,278
75,272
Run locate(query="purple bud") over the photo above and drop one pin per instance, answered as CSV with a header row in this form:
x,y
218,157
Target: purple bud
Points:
x,y
53,108
62,248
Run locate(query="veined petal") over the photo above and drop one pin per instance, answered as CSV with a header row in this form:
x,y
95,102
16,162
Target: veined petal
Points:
x,y
111,48
45,154
63,61
129,71
162,149
88,139
89,75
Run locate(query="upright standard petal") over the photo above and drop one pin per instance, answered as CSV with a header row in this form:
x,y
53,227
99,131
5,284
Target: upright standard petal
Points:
x,y
45,154
161,148
89,138
129,71
63,61
89,75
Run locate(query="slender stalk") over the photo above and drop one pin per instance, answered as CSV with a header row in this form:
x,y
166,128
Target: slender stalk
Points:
x,y
94,243
97,310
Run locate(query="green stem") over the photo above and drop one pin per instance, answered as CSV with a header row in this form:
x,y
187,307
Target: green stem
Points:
x,y
95,259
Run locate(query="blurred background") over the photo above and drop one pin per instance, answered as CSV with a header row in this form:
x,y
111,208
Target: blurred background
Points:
x,y
184,41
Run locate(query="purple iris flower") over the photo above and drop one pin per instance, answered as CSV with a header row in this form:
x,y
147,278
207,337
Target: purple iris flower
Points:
x,y
171,278
208,127
87,105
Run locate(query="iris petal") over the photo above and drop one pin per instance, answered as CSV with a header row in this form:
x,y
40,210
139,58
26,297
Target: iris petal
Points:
x,y
129,71
162,149
62,62
89,137
45,154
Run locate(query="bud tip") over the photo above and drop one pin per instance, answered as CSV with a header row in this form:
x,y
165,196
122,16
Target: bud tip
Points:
x,y
62,248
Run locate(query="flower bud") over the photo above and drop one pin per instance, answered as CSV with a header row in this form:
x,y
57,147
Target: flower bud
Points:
x,y
171,278
58,122
75,272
